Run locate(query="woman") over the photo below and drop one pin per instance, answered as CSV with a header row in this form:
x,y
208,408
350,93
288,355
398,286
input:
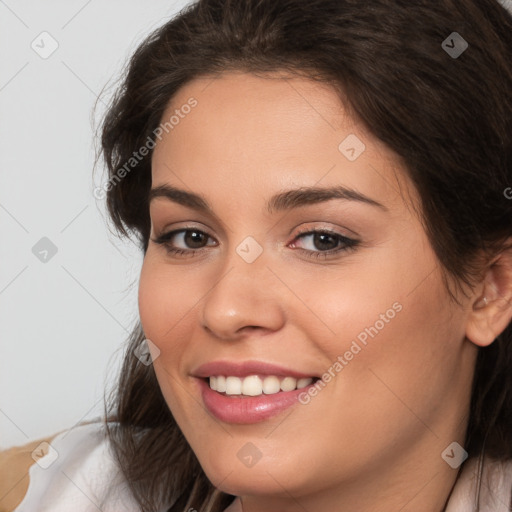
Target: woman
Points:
x,y
322,194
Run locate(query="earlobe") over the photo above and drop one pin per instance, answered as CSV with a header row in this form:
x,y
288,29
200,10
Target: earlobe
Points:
x,y
481,328
491,307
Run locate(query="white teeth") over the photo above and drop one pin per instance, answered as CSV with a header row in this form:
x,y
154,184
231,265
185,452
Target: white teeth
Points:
x,y
221,384
271,385
233,386
301,383
288,384
253,385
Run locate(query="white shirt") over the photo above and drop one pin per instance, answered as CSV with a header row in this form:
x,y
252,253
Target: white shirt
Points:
x,y
84,477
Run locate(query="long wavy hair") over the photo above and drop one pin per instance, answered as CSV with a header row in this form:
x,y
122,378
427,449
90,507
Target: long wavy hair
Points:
x,y
449,117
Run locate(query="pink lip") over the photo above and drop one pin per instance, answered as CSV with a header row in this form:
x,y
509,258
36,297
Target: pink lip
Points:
x,y
245,368
246,409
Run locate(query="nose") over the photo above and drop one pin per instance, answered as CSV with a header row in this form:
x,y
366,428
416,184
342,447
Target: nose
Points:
x,y
245,298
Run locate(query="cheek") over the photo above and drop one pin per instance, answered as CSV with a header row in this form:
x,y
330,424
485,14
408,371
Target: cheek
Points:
x,y
392,374
393,332
152,303
407,348
163,306
165,298
392,302
365,302
168,301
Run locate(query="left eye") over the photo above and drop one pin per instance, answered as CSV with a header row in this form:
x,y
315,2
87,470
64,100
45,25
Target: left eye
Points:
x,y
325,241
192,239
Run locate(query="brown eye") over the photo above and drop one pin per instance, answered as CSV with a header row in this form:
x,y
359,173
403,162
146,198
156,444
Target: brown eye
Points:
x,y
324,241
184,241
322,244
195,239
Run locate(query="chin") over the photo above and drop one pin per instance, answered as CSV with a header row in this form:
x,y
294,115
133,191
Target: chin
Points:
x,y
249,481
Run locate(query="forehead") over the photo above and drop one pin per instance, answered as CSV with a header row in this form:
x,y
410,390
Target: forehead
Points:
x,y
274,131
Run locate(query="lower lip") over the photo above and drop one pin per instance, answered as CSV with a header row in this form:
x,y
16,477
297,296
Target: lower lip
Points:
x,y
247,409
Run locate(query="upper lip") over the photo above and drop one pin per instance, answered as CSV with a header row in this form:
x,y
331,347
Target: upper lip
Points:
x,y
245,368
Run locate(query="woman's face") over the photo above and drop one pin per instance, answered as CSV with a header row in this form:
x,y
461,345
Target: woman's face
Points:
x,y
359,306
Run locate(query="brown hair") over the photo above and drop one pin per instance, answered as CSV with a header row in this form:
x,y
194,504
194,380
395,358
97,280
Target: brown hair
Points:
x,y
448,117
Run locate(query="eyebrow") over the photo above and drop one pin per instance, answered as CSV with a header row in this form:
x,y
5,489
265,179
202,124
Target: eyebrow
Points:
x,y
286,200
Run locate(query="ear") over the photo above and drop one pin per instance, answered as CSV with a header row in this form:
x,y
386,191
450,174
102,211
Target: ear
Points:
x,y
491,304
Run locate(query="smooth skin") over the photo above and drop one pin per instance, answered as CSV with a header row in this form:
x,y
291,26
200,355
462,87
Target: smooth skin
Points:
x,y
372,438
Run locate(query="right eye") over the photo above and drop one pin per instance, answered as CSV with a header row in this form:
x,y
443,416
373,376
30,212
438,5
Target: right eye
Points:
x,y
191,240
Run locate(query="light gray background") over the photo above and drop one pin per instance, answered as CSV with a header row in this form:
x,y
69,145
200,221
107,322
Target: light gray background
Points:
x,y
62,322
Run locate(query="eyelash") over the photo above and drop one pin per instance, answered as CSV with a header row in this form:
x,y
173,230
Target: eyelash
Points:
x,y
349,243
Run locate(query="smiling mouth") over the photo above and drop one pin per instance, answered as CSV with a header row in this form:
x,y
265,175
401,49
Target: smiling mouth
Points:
x,y
256,385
